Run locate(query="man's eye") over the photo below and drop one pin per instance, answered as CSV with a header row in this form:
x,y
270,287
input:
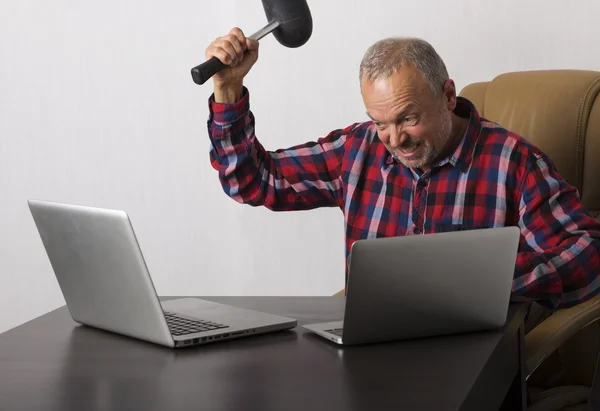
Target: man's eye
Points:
x,y
379,125
410,120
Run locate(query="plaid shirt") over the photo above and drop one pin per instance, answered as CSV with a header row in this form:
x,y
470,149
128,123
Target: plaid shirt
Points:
x,y
494,178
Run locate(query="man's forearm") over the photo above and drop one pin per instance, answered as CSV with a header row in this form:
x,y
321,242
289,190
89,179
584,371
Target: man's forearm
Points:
x,y
228,94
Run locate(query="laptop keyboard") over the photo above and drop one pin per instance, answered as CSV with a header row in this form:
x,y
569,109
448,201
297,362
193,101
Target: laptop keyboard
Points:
x,y
335,331
181,326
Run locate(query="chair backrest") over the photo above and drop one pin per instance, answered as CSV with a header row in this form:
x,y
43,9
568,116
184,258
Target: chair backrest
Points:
x,y
559,112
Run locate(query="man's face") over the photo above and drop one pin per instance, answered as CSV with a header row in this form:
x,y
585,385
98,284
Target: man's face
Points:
x,y
412,122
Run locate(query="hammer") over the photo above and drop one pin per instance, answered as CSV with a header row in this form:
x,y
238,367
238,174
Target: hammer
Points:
x,y
289,20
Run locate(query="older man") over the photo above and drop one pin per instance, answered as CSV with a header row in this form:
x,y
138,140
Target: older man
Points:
x,y
426,163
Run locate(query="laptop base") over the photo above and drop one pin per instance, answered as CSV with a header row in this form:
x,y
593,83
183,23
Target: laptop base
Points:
x,y
239,322
321,329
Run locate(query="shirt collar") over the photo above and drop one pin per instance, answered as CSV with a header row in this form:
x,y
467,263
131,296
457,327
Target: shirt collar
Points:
x,y
463,154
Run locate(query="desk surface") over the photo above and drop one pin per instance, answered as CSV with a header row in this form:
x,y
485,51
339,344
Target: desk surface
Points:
x,y
53,364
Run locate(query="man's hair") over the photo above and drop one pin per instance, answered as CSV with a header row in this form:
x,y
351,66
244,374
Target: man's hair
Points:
x,y
386,56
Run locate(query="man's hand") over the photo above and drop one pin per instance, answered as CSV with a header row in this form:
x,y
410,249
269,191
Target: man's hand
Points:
x,y
239,53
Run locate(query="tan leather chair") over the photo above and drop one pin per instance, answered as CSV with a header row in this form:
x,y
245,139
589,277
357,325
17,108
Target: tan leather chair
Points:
x,y
558,111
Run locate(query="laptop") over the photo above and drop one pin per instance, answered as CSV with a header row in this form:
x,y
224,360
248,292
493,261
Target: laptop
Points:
x,y
106,284
426,285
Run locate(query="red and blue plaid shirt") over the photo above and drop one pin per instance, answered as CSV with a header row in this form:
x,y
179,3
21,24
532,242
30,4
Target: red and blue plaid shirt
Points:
x,y
494,178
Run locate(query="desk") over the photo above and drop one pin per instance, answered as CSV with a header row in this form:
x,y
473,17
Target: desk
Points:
x,y
52,364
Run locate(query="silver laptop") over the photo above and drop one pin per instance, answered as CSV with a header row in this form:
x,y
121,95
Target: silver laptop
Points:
x,y
106,284
426,285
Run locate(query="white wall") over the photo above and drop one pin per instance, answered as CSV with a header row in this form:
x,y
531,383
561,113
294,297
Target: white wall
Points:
x,y
97,107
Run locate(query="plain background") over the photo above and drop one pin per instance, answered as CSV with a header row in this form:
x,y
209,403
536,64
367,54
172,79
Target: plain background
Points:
x,y
97,107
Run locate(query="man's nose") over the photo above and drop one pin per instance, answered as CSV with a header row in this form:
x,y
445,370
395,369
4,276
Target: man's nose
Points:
x,y
397,137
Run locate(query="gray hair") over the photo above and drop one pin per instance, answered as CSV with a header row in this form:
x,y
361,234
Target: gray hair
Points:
x,y
386,56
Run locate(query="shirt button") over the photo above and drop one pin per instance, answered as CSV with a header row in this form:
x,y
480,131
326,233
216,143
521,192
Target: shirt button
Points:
x,y
417,231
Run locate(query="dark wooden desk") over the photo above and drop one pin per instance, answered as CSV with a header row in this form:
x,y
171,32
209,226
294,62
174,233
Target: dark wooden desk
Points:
x,y
52,364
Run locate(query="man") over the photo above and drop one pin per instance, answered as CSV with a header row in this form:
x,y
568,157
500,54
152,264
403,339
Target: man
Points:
x,y
426,163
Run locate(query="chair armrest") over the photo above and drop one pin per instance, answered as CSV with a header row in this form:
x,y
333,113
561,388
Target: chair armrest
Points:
x,y
544,339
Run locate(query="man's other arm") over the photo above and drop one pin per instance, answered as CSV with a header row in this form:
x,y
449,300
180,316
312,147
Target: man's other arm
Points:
x,y
559,260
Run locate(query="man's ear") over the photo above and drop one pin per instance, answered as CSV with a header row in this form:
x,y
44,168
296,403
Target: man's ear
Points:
x,y
449,93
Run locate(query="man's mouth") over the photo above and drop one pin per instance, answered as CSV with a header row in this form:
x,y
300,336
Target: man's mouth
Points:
x,y
409,151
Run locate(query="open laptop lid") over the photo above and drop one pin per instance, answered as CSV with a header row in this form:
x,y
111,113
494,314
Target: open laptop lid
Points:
x,y
100,269
433,284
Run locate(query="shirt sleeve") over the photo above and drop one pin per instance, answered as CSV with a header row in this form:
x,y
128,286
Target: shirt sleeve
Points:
x,y
302,177
558,263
